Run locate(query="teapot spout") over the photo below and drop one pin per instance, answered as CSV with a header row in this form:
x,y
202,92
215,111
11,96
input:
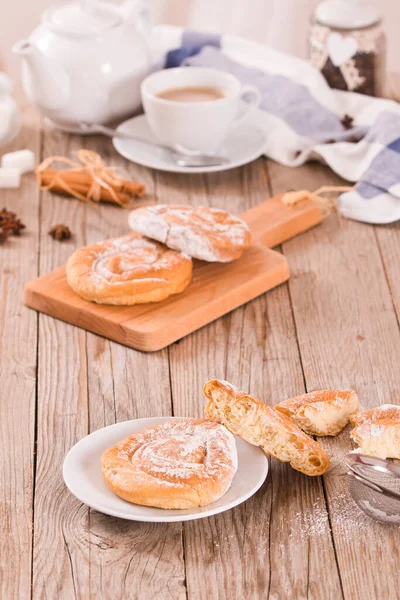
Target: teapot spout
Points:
x,y
45,81
23,48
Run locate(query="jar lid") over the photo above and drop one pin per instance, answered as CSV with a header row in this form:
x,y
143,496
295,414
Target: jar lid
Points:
x,y
347,14
84,17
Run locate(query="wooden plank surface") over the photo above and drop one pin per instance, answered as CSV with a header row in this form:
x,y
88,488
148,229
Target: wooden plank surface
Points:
x,y
388,237
348,338
334,324
61,545
18,350
147,558
239,554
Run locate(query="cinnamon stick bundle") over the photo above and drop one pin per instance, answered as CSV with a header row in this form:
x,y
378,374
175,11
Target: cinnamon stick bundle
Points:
x,y
89,179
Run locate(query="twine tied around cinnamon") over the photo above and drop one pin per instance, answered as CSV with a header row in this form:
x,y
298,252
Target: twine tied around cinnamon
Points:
x,y
87,179
325,204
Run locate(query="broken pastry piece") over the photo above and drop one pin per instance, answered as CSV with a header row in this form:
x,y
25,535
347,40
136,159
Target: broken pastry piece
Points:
x,y
324,412
377,431
201,232
263,426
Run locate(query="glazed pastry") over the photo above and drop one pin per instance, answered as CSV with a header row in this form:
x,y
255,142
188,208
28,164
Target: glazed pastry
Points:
x,y
128,270
377,431
263,426
204,233
324,412
178,464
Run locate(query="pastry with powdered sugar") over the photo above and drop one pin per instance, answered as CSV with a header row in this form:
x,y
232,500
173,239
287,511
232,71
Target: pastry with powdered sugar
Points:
x,y
178,464
377,431
204,233
128,270
262,426
323,412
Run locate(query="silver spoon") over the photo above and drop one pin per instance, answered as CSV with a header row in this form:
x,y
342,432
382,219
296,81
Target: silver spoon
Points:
x,y
181,158
373,462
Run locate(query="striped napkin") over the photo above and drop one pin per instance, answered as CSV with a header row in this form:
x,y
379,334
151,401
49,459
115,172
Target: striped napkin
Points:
x,y
356,135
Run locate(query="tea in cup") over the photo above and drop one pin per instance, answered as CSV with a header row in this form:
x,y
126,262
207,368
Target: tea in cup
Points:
x,y
192,109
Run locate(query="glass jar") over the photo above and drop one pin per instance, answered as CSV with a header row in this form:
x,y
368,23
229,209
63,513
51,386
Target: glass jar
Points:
x,y
348,46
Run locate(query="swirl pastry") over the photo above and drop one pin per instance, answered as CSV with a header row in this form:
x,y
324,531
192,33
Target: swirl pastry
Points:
x,y
377,431
204,233
263,426
178,464
324,412
128,270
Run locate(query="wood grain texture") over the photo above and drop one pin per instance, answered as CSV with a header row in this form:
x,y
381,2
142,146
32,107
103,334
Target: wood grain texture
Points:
x,y
348,338
388,237
216,288
334,324
18,349
239,554
61,547
127,559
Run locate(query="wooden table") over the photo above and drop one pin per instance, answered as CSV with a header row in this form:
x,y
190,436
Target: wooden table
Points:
x,y
335,324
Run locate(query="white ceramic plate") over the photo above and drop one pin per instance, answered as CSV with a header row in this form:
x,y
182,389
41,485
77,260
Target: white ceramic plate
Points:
x,y
83,477
244,143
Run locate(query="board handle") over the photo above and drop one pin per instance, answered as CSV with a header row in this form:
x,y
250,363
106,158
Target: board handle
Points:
x,y
273,222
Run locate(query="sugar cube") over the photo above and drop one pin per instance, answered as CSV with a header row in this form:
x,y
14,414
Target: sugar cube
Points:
x,y
10,178
23,160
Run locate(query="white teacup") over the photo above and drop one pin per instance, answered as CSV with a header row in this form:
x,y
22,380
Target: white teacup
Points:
x,y
196,126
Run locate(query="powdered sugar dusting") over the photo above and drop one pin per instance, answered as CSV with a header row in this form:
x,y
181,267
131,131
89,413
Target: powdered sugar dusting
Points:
x,y
380,514
204,233
176,452
346,521
386,411
376,430
319,399
132,257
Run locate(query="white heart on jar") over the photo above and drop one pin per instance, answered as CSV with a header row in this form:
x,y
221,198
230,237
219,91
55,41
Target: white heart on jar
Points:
x,y
341,48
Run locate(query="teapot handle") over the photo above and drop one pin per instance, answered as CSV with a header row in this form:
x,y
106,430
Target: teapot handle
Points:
x,y
138,14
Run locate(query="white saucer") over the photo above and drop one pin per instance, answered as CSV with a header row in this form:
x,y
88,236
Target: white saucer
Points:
x,y
244,143
83,477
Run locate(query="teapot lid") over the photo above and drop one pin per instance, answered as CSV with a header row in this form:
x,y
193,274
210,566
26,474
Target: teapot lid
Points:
x,y
81,17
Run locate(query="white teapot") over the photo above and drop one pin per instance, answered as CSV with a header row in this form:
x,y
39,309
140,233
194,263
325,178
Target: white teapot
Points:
x,y
86,61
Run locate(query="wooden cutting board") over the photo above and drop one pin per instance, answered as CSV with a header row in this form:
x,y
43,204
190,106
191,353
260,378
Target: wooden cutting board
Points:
x,y
216,288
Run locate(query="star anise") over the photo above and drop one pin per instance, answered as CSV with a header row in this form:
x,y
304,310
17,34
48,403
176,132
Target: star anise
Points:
x,y
10,224
4,233
60,232
347,122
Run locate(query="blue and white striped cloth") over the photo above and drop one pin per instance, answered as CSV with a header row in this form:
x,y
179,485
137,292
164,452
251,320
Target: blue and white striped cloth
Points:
x,y
357,136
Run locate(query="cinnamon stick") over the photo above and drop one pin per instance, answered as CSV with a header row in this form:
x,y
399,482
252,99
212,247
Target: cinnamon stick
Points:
x,y
82,178
88,179
82,189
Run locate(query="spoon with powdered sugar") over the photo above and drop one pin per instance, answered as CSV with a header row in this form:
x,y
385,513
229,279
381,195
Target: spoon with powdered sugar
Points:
x,y
374,485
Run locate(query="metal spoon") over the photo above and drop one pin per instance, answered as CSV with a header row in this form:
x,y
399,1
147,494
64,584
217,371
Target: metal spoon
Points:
x,y
181,158
373,462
